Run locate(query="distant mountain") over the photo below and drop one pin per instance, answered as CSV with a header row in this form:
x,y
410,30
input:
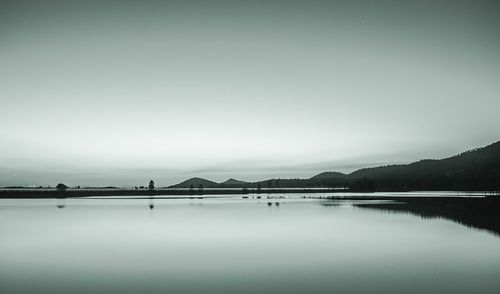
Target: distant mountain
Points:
x,y
328,175
196,182
477,169
233,182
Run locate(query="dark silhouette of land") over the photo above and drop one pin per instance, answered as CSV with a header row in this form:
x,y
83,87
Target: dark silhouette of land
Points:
x,y
473,170
194,192
196,182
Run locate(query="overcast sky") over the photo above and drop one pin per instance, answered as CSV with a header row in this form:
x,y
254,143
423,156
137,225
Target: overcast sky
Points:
x,y
118,92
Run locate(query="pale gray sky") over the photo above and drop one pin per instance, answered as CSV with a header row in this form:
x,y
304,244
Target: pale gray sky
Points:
x,y
117,92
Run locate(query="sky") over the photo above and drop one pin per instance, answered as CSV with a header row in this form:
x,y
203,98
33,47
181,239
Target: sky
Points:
x,y
120,92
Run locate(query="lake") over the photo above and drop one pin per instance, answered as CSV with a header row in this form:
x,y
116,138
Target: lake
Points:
x,y
288,244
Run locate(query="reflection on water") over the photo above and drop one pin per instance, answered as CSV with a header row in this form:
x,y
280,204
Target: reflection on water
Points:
x,y
481,213
60,203
151,203
283,245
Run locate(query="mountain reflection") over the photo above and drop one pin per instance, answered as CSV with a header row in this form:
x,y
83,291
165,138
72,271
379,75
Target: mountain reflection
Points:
x,y
479,213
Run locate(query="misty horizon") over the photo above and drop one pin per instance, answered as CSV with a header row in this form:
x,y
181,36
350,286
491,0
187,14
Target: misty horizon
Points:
x,y
164,177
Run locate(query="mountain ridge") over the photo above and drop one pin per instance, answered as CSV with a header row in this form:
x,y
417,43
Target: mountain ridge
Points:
x,y
196,182
475,169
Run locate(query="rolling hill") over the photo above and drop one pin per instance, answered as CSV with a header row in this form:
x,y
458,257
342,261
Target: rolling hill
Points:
x,y
196,182
477,169
233,183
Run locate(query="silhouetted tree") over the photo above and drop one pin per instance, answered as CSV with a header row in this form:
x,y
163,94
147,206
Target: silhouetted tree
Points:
x,y
61,187
151,185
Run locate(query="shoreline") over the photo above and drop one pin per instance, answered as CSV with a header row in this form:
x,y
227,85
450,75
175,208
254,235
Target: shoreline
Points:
x,y
73,193
348,194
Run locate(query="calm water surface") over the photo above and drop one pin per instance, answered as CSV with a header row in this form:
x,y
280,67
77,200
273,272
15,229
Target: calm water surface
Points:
x,y
234,245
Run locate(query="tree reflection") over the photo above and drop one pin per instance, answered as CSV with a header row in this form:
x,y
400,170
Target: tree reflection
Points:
x,y
481,213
